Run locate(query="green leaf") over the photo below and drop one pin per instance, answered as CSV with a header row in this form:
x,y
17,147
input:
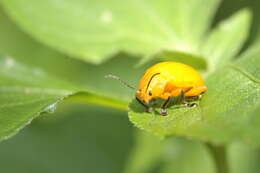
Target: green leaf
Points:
x,y
185,156
226,40
194,61
221,45
176,154
34,79
25,50
225,113
243,159
151,154
198,62
77,138
95,30
145,155
26,92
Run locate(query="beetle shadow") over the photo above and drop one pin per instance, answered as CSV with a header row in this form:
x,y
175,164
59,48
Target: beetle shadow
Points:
x,y
139,108
135,106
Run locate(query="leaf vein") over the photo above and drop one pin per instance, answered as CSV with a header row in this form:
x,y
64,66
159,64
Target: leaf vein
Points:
x,y
248,75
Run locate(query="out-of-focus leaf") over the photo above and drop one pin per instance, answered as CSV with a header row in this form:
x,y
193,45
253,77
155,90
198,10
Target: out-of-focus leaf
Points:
x,y
185,156
243,159
78,138
147,153
26,92
168,156
229,7
25,50
225,41
34,78
195,61
94,30
225,112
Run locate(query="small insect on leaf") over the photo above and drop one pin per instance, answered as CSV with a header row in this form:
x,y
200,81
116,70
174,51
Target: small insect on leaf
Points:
x,y
165,81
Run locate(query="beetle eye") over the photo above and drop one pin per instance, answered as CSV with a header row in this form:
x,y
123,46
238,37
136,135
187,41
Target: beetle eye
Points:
x,y
150,93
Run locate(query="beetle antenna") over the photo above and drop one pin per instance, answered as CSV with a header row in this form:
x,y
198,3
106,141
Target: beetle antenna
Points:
x,y
150,81
120,80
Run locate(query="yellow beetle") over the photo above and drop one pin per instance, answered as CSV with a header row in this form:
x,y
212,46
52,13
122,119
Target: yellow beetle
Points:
x,y
166,80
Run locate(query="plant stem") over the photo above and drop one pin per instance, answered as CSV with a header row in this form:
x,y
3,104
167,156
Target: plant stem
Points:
x,y
219,155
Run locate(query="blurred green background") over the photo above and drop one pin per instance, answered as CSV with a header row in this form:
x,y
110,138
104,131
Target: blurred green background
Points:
x,y
80,138
95,139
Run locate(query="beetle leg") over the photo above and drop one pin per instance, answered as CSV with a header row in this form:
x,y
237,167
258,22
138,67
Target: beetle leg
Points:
x,y
184,102
182,97
147,107
190,104
164,107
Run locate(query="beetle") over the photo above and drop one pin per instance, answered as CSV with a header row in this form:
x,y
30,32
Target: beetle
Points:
x,y
166,80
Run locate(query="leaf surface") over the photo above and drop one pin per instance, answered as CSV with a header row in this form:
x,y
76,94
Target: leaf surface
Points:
x,y
226,40
34,79
94,30
69,141
224,114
